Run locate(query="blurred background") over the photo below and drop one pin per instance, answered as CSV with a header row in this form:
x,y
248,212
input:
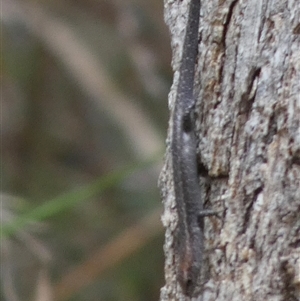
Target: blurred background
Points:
x,y
84,87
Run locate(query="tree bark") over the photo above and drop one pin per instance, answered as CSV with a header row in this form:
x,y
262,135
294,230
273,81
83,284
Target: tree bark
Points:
x,y
248,130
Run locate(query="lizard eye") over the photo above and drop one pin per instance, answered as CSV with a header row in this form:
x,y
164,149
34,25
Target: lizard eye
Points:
x,y
187,123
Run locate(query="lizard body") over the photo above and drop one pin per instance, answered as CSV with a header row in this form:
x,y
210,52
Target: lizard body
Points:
x,y
189,233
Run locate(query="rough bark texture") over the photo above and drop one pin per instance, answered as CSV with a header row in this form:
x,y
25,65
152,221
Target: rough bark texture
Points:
x,y
248,121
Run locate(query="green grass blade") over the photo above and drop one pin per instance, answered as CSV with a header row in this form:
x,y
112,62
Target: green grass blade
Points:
x,y
70,199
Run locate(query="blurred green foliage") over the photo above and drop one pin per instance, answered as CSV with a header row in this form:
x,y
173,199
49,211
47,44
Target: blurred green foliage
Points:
x,y
61,144
68,200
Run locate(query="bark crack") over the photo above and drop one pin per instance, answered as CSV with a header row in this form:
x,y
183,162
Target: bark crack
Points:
x,y
248,97
272,130
225,31
249,208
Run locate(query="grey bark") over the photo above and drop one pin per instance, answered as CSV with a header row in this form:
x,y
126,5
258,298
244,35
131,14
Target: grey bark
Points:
x,y
248,130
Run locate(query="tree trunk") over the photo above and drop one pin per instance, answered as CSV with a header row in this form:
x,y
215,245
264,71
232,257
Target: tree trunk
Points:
x,y
247,84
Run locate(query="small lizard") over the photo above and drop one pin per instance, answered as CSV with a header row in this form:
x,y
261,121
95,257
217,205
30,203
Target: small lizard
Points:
x,y
189,234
